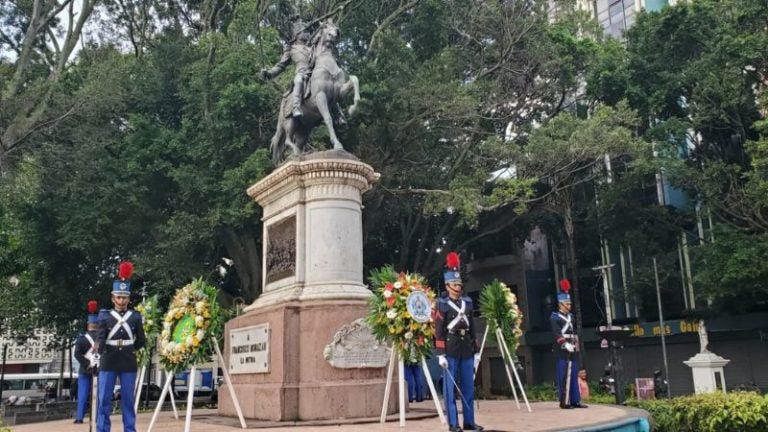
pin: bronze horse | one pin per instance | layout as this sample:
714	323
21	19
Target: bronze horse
327	86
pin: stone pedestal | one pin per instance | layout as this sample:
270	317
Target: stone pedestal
313	286
708	374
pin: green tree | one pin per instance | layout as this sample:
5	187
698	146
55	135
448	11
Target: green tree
42	52
696	73
567	153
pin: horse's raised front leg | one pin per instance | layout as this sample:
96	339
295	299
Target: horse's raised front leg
322	105
352	84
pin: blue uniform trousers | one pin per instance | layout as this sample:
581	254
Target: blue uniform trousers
83	394
560	372
415	382
462	371
106	389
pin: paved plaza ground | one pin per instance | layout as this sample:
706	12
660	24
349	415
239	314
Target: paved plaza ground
495	416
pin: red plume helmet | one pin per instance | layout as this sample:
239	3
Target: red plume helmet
565	285
93	307
452	261
125	270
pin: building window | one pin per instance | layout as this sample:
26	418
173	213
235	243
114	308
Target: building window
618	21
615	16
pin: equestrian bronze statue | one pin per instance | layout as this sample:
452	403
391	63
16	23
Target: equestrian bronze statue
318	87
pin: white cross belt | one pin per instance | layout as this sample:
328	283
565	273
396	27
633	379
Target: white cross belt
462	315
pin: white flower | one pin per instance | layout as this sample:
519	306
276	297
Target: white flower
409	336
199	305
199	320
398	284
189	340
391	314
387	294
200	334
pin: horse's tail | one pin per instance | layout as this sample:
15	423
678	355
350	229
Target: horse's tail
277	145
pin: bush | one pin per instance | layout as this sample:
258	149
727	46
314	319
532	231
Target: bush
548	393
712	412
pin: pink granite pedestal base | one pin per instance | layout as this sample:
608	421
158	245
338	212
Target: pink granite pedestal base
301	384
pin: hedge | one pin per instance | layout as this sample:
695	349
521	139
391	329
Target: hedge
548	393
711	412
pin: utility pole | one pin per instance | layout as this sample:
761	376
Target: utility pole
661	325
2	373
606	293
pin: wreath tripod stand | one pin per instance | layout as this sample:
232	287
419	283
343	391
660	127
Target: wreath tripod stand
191	394
509	365
396	358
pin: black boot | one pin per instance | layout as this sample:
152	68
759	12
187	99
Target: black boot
579	405
296	97
564	406
455	428
474	427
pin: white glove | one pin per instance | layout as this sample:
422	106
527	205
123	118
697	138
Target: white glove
477	360
442	361
569	347
95	361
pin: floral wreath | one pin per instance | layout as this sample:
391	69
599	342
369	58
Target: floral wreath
190	327
388	315
498	305
150	316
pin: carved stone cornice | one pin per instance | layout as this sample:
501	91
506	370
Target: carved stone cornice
320	168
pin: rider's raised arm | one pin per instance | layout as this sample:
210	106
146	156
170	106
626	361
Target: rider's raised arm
285	60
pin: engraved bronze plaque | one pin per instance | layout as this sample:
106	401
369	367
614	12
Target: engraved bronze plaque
281	249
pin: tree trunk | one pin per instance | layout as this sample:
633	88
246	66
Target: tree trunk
61	371
573	274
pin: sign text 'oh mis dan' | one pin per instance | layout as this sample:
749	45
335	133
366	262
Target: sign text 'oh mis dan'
249	350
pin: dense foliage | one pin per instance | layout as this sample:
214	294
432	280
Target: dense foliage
711	412
485	119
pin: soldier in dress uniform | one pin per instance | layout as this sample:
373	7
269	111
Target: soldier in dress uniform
85	348
566	348
457	347
120	334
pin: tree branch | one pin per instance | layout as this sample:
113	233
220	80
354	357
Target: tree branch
403	7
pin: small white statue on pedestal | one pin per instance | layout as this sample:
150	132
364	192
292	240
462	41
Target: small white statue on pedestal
703	337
